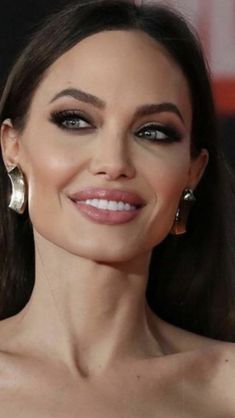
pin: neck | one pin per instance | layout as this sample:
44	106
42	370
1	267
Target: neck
96	312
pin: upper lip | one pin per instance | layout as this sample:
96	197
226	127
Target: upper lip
118	195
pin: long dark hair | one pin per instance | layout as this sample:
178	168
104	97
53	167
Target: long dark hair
191	280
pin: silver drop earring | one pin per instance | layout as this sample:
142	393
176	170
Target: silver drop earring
18	196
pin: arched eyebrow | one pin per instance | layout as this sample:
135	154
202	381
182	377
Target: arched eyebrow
142	110
82	96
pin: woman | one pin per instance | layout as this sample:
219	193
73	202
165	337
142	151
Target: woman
108	138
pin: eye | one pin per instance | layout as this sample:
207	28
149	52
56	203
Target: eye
159	133
70	120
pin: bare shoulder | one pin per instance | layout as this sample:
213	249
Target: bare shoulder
176	340
207	375
13	362
201	371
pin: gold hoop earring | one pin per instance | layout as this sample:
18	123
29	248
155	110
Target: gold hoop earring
18	196
181	217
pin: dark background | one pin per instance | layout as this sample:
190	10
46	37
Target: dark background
19	18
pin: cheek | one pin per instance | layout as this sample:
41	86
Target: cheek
50	164
50	168
170	180
169	173
169	177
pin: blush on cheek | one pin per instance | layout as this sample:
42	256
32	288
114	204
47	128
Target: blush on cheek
55	172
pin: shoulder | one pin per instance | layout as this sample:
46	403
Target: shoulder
200	370
13	360
208	375
195	383
176	340
212	358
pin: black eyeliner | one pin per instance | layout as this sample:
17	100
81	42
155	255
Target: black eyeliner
172	133
58	117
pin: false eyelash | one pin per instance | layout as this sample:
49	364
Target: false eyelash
172	134
58	117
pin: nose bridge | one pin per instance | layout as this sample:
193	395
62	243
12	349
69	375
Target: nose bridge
113	145
112	153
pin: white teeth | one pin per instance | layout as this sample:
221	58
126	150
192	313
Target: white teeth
112	205
102	204
121	206
109	204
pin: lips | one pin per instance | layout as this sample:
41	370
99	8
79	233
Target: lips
109	194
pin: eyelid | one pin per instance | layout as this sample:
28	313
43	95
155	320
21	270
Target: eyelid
173	133
164	127
73	111
162	119
57	116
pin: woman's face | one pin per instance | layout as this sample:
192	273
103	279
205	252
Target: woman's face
133	136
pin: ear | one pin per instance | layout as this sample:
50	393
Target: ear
9	143
197	168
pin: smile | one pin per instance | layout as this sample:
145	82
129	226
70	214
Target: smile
110	212
109	204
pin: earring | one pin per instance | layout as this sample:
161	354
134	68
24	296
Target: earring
181	217
18	195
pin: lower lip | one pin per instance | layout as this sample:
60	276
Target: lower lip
103	216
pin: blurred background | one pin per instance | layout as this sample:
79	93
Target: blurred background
213	19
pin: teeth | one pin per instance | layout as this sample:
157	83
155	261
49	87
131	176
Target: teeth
109	204
102	204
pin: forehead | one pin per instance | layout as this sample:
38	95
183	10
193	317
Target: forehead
119	66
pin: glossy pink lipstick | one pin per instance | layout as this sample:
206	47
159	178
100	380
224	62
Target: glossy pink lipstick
107	216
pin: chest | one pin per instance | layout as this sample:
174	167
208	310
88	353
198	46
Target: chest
151	392
114	400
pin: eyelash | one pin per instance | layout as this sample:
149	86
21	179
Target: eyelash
170	132
64	117
59	118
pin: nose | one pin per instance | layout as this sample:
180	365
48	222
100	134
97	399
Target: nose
111	158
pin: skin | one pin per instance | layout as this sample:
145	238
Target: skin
87	344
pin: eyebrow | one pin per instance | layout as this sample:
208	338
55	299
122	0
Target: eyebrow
142	110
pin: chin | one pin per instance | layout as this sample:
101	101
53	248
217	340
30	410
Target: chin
103	253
